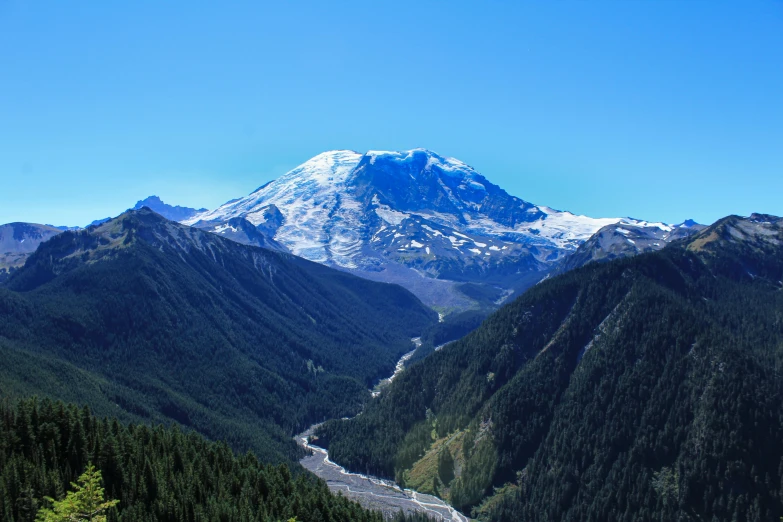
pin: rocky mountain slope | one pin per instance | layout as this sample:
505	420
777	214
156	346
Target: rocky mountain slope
18	241
626	239
172	212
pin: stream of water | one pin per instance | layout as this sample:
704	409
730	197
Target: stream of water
373	492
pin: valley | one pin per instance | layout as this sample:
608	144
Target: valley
372	492
412	412
159	322
391	261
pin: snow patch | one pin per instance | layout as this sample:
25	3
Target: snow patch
221	229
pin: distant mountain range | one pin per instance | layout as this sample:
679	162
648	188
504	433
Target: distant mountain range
415	218
171	212
623	240
19	240
429	223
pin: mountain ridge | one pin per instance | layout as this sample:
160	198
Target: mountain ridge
624	240
171	212
158	321
19	240
13	252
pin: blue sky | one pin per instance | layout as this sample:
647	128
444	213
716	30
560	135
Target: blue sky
662	110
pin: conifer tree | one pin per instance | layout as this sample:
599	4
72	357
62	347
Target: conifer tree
84	503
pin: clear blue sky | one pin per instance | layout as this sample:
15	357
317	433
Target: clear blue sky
663	110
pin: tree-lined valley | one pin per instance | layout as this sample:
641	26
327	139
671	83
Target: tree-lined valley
251	363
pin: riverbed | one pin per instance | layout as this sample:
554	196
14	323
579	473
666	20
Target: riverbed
373	492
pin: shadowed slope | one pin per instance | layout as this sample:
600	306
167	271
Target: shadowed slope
164	321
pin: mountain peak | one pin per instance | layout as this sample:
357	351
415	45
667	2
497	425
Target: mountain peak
121	230
132	233
174	213
150	200
743	246
767	219
688	223
755	230
407	217
424	159
404	155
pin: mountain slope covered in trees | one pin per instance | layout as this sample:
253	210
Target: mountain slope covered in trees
155	473
148	320
646	388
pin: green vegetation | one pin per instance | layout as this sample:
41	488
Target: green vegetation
85	502
640	389
453	327
445	466
5	273
484	294
434	472
148	474
149	321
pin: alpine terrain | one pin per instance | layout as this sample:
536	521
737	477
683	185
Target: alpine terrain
415	218
172	212
18	241
624	240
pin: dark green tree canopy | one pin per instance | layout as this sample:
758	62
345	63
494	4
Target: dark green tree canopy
640	389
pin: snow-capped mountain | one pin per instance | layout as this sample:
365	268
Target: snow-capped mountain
414	217
624	239
240	230
172	212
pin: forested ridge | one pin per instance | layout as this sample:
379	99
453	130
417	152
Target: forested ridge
157	474
452	327
151	321
641	389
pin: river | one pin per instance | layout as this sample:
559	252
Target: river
373	492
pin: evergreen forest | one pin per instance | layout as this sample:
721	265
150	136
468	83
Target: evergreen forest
644	388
